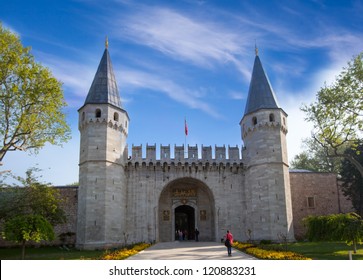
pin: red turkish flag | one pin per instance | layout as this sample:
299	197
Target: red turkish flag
186	128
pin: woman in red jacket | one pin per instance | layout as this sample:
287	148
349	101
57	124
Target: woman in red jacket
229	242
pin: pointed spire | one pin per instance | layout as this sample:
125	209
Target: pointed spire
104	87
260	94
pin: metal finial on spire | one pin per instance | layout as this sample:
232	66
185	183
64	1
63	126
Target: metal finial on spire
106	42
256	49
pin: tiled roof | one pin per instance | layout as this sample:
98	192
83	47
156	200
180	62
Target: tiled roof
260	94
104	87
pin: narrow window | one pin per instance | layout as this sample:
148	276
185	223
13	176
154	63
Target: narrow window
115	117
272	117
311	202
98	113
125	124
83	116
254	120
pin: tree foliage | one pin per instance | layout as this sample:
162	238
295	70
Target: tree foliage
32	198
23	228
335	227
31	100
338	111
314	158
352	185
29	212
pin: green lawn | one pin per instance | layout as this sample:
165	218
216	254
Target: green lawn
48	253
325	250
314	250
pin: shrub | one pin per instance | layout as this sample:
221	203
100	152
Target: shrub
125	252
274	255
266	254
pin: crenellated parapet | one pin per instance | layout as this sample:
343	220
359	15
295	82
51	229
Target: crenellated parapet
188	169
103	115
217	154
110	123
264	119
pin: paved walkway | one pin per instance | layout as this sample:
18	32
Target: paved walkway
189	250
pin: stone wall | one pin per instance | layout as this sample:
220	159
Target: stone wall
68	229
312	194
219	194
315	193
185	154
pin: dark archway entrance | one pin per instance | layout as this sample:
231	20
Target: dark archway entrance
185	222
186	204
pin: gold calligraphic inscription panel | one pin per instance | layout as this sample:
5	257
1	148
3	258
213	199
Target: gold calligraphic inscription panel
191	192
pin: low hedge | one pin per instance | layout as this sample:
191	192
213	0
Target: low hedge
124	253
266	254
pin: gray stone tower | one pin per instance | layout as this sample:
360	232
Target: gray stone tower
103	125
264	128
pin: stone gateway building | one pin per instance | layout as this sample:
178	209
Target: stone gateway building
126	198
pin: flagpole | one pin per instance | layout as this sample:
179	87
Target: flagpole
185	137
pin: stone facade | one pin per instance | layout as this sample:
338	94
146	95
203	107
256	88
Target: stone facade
315	193
125	198
128	198
323	187
267	177
163	187
101	169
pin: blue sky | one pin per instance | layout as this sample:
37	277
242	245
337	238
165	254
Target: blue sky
177	59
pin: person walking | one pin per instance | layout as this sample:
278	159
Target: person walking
196	234
228	242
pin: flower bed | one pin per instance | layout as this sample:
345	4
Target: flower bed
265	254
125	252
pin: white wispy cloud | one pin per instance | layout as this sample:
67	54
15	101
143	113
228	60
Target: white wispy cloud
292	102
156	83
75	76
236	95
185	38
10	28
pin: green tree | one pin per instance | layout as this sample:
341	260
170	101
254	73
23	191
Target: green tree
352	185
32	197
336	227
314	158
31	100
28	212
337	113
23	228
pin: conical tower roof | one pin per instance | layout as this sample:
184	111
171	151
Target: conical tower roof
260	93
104	87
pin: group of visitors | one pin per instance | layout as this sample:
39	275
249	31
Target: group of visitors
183	235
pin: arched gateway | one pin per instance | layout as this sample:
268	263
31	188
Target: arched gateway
186	204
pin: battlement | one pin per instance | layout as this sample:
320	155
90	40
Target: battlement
191	154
